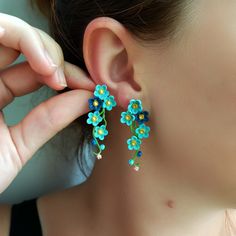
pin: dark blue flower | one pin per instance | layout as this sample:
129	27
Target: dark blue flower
95	103
142	117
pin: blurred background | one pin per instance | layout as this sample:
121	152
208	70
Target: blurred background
51	168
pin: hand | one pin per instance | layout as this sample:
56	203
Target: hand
44	66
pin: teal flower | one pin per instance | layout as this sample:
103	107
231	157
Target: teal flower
127	118
100	132
143	131
134	143
101	91
135	106
109	103
94	118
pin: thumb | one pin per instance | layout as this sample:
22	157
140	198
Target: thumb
47	119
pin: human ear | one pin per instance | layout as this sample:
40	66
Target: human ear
109	51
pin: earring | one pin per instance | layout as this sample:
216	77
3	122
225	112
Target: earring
101	102
135	118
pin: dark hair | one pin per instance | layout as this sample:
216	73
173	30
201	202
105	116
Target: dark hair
147	20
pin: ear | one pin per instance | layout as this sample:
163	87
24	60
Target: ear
109	52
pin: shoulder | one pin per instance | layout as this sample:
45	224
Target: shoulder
5	216
62	208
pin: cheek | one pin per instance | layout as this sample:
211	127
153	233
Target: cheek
195	105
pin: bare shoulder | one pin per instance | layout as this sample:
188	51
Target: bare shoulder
5	215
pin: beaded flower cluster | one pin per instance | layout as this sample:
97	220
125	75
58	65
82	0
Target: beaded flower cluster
101	102
136	118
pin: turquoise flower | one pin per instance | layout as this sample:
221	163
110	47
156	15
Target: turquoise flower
109	103
94	118
143	131
127	118
134	143
100	132
101	91
135	106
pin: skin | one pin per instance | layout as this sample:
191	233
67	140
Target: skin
187	175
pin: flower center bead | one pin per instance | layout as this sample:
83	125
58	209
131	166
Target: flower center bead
100	131
127	117
135	106
141	116
141	131
133	143
108	103
101	91
94	118
95	103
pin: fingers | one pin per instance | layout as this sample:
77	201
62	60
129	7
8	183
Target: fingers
42	52
47	119
21	79
77	78
20	36
17	81
8	55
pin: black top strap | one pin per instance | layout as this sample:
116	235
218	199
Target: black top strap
25	219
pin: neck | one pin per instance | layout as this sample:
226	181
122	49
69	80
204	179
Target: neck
157	200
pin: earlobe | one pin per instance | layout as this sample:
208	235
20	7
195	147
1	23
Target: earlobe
107	55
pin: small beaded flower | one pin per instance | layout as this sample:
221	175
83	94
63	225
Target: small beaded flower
135	118
127	118
98	105
134	143
100	132
95	103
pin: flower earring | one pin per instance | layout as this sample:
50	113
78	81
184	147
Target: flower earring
135	118
101	102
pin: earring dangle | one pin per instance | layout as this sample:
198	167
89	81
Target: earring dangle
136	118
98	105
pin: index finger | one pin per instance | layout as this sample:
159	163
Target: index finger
20	36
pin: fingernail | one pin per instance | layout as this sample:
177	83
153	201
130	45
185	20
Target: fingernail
49	59
61	77
2	31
